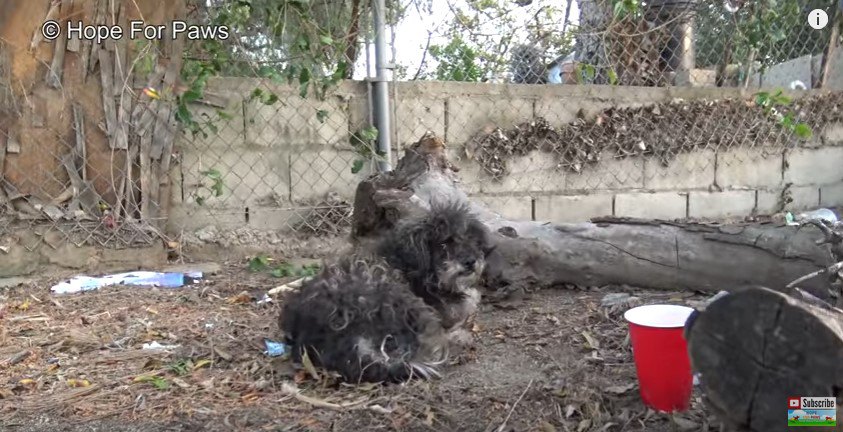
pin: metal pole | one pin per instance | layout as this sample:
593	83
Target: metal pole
381	99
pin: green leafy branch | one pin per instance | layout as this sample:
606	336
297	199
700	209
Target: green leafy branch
365	144
771	103
288	29
215	189
626	8
263	263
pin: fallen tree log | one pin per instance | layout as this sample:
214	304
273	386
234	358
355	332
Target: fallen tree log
756	347
645	254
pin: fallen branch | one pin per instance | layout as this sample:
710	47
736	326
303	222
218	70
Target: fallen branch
511	410
291	390
289	286
17	358
530	255
832	269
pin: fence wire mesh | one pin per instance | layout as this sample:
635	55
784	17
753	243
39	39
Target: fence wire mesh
617	96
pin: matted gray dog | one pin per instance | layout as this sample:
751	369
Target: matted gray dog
400	307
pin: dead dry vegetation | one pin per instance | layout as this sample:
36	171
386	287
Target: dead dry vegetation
661	131
555	360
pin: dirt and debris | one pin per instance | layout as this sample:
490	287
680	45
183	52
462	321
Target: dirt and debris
661	130
559	361
281	242
330	216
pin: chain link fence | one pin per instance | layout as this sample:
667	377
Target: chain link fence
552	111
70	173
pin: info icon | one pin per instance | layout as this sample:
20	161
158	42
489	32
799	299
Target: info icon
817	19
794	403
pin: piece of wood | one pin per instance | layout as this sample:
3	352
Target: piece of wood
645	254
121	67
146	108
756	347
121	79
52	15
83	195
74	43
5	203
39	110
12	143
75	10
112	10
80	150
145	179
831	47
164	135
99	18
54	73
116	140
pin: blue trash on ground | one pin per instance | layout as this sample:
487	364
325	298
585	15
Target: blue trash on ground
274	349
83	283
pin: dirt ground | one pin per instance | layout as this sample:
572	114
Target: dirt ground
555	360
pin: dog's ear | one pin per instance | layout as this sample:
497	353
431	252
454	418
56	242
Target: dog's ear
440	228
409	248
480	235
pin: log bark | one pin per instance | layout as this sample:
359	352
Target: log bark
756	347
646	254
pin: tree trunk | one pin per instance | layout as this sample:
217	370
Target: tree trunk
352	39
84	132
595	16
646	254
757	347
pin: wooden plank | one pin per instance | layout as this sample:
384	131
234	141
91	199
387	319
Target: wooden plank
12	143
85	58
80	151
145	176
52	14
109	109
76	183
120	53
162	132
74	44
110	18
173	50
39	111
121	74
54	73
99	18
132	207
163	145
3	138
145	110
4	200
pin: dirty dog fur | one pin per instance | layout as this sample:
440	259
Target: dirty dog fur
442	256
398	309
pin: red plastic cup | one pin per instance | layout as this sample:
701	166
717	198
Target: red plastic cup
661	357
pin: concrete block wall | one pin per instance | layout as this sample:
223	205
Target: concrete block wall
280	157
806	69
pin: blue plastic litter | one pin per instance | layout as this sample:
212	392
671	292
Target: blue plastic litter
140	278
274	349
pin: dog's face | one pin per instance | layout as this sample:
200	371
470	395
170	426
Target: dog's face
458	248
442	253
460	259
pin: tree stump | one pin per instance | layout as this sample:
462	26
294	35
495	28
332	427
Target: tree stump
756	347
646	254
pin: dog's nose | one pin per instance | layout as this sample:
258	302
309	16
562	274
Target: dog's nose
469	264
